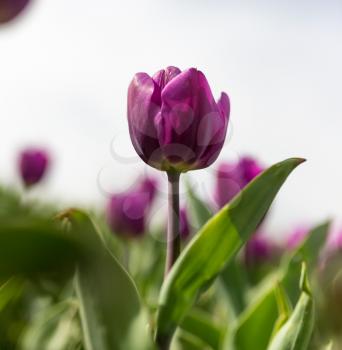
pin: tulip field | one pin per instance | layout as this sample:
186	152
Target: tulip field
109	279
205	276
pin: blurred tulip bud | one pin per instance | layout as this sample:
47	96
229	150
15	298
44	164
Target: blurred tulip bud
9	9
185	230
258	250
127	212
174	121
33	165
232	178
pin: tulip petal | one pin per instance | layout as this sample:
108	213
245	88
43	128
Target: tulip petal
164	76
187	102
142	105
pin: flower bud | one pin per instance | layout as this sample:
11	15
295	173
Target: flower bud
127	211
33	164
174	121
232	178
258	250
9	9
184	224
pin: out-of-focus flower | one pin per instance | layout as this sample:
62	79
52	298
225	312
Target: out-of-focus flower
231	178
127	211
9	9
296	237
33	164
174	121
258	250
184	224
334	241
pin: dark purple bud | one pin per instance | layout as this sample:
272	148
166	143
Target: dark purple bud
33	164
232	178
174	121
127	212
9	9
258	250
184	224
296	237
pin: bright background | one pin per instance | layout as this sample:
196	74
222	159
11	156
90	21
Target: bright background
65	67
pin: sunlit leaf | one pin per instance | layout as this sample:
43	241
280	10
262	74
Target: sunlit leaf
297	331
216	243
111	312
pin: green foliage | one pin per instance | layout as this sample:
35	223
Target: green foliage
216	243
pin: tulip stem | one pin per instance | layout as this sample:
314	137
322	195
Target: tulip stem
173	237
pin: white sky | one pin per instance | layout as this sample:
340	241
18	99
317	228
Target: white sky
65	67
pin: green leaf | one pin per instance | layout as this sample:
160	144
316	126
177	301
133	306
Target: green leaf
199	324
233	277
10	290
234	281
257	321
200	212
269	307
297	331
36	247
55	327
216	243
307	251
111	312
312	245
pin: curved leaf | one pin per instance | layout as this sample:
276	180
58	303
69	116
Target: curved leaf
111	312
296	332
216	243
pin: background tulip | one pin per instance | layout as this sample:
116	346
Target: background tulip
9	9
258	250
174	121
184	224
126	212
231	178
33	164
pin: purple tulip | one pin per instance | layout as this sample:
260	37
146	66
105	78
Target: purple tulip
258	250
33	164
9	9
184	224
126	212
174	121
232	178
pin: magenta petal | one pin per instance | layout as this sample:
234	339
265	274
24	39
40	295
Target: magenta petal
9	9
228	183
142	106
33	164
164	76
189	117
184	224
224	105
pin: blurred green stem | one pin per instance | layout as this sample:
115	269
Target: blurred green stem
173	238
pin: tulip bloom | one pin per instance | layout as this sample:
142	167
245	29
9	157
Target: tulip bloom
9	9
33	164
176	125
232	178
174	121
126	212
